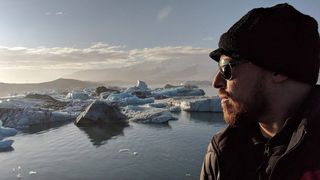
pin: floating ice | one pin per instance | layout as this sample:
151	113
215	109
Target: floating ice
197	104
32	172
128	99
151	115
100	112
123	150
179	91
7	143
142	85
77	95
158	105
24	117
6	132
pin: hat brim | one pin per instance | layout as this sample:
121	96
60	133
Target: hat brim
215	55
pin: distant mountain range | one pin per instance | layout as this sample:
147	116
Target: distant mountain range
173	71
60	85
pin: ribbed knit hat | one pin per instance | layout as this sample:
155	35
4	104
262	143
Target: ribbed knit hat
279	39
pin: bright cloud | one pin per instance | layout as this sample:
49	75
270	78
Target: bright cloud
59	13
97	56
54	13
164	13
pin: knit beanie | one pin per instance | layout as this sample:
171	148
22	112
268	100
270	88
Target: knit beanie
279	39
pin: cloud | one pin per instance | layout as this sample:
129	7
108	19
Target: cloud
164	13
209	38
59	13
97	56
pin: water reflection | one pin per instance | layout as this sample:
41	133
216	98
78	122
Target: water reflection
99	134
158	125
44	127
9	149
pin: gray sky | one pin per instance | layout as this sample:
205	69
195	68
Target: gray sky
42	40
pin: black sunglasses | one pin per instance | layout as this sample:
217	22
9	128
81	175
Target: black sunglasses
225	67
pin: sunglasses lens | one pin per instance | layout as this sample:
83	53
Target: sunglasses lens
226	71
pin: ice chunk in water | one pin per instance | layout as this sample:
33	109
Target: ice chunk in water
32	172
123	150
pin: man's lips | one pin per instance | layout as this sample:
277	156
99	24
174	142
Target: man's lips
223	98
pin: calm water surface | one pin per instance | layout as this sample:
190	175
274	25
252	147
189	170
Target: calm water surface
171	151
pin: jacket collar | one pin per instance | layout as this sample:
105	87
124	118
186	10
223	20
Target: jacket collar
309	118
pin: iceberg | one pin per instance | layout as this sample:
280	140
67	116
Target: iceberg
197	104
100	112
142	85
22	118
77	95
6	132
5	144
178	91
125	99
157	105
150	115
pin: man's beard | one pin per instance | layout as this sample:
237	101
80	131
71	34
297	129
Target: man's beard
237	111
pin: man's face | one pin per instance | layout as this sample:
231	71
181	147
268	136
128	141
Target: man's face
242	97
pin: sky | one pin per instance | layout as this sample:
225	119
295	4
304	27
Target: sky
42	40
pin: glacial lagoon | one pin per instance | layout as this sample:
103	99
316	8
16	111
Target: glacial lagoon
173	150
133	151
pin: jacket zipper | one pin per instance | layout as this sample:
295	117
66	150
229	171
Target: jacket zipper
266	154
286	154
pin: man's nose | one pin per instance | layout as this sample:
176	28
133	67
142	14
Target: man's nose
218	81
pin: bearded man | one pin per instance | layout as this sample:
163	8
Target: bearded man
268	69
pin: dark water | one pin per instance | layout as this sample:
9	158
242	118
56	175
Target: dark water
171	151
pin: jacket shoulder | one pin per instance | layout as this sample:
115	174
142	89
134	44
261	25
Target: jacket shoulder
210	168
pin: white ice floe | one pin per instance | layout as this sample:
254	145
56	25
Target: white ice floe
158	105
178	91
151	115
142	85
77	95
23	118
6	143
123	150
126	99
197	104
32	172
175	109
6	132
19	103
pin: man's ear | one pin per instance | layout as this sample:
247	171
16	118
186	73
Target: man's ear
277	78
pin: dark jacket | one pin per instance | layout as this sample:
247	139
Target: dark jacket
231	153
